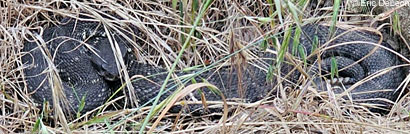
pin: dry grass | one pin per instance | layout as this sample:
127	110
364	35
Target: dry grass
226	27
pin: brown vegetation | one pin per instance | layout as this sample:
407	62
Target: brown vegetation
225	27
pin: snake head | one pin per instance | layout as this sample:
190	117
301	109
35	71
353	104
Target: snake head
109	72
105	61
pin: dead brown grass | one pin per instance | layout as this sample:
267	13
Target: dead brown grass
226	24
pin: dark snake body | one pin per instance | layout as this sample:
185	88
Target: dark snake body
358	47
84	75
73	62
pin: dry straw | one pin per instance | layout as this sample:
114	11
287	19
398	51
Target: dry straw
164	27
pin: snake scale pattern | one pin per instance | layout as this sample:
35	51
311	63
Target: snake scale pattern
84	60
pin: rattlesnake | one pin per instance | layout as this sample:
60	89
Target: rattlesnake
83	74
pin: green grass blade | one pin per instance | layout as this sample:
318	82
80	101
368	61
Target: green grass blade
81	107
296	40
181	15
278	6
174	4
315	44
302	55
333	68
269	75
284	47
336	7
294	11
303	3
264	45
396	23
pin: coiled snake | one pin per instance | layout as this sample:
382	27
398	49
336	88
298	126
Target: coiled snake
73	50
